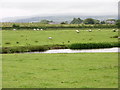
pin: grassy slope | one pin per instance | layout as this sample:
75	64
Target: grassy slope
26	37
89	70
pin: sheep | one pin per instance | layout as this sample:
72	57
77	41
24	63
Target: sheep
114	30
99	29
77	31
34	29
14	29
38	29
117	30
41	29
49	38
90	30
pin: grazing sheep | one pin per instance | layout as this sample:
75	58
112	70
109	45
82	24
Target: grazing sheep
34	29
114	30
117	30
41	29
37	29
49	38
90	30
14	29
99	29
77	31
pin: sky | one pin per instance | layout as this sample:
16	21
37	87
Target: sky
15	8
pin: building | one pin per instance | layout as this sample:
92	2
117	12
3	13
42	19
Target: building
111	21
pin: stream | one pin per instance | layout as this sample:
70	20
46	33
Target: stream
105	50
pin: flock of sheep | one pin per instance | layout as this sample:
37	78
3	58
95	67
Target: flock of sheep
77	31
37	29
33	29
114	30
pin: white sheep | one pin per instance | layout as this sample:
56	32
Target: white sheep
99	29
41	29
34	29
38	29
14	29
49	37
77	31
90	30
114	30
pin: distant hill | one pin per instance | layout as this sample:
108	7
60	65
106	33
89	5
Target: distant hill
57	19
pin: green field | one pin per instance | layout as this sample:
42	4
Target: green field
83	70
30	37
80	70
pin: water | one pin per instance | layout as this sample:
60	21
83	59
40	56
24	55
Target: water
105	50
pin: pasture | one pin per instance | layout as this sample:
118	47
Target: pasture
82	70
61	37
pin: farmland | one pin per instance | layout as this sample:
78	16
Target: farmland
82	70
50	44
30	37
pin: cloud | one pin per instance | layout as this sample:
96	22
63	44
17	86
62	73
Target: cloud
11	8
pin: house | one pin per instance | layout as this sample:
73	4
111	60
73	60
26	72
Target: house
111	21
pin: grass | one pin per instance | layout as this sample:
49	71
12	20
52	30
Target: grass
82	70
64	37
94	45
21	49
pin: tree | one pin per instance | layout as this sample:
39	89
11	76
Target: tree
76	21
66	22
97	21
102	22
45	21
89	21
118	23
15	26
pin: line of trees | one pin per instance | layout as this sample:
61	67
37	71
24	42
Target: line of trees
92	21
75	23
80	21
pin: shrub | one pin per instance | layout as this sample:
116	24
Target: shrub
37	48
21	49
7	43
93	45
116	36
36	41
17	42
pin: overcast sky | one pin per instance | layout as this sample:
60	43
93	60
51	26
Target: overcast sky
13	8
